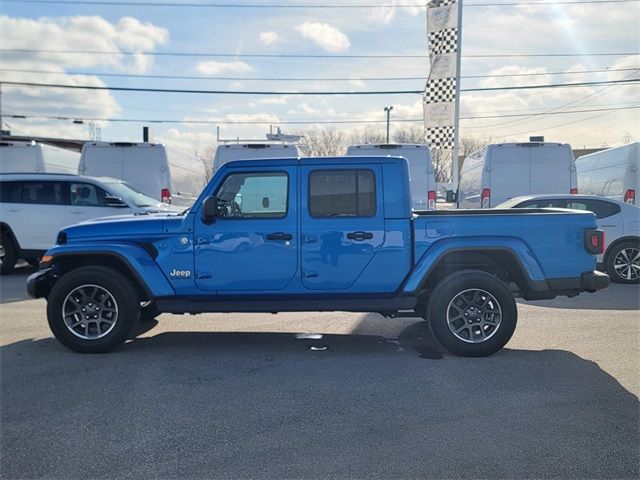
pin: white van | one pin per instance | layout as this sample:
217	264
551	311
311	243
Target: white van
611	173
31	157
229	152
421	174
499	172
165	174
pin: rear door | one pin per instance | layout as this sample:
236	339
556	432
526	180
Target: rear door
40	214
342	223
550	169
146	168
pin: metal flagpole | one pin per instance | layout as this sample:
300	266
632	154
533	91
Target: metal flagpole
456	145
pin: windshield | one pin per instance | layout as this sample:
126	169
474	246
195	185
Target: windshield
130	195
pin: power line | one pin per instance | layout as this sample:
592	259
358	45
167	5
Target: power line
301	55
298	79
549	112
315	93
288	122
296	5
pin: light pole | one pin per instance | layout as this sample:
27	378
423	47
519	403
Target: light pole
388	110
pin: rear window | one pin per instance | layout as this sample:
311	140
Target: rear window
10	192
43	193
342	193
601	208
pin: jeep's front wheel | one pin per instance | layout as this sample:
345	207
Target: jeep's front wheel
472	313
92	309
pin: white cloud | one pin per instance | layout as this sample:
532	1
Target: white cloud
82	32
386	12
69	33
324	35
269	38
282	100
216	68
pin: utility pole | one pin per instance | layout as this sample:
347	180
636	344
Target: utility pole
455	160
388	110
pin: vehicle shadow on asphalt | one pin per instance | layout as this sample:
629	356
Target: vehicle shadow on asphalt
13	287
266	405
616	297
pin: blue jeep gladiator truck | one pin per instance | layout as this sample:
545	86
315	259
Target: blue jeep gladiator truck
316	234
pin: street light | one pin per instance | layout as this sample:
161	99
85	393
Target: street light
388	110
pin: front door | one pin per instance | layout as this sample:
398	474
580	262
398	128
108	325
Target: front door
342	224
252	245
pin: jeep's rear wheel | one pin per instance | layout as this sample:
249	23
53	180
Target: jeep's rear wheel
92	309
472	313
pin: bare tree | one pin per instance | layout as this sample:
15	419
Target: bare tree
413	134
206	157
367	135
322	142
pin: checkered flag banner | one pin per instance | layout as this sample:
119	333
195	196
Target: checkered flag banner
440	91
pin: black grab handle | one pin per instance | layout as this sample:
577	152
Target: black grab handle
359	236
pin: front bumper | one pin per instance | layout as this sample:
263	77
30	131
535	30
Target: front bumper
39	283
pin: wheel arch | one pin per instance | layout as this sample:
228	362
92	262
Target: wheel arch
7	230
617	241
67	262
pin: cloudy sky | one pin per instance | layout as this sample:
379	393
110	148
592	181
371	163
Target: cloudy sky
390	28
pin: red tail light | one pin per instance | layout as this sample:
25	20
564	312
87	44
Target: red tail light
573	191
630	196
485	198
594	241
431	196
165	195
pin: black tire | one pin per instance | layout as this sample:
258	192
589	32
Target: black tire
149	312
468	282
620	275
10	254
126	303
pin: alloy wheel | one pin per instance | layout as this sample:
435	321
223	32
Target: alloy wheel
627	263
474	315
90	312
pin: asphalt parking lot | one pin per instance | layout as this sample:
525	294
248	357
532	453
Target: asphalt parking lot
239	396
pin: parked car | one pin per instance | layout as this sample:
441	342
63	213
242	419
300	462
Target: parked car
612	173
166	174
318	234
34	207
620	222
502	171
29	156
229	152
422	178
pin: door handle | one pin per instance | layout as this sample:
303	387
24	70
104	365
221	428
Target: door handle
77	212
279	236
359	236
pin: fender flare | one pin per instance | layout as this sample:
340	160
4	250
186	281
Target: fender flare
135	258
515	248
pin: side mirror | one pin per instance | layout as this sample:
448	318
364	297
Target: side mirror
451	196
115	202
210	209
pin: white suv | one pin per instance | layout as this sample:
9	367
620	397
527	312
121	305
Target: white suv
620	222
35	206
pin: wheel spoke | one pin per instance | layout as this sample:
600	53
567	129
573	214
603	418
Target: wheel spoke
474	315
90	312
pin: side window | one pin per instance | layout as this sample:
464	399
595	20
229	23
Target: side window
602	209
253	195
577	205
342	193
10	192
551	203
43	193
86	195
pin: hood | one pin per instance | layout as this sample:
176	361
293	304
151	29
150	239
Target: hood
130	227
